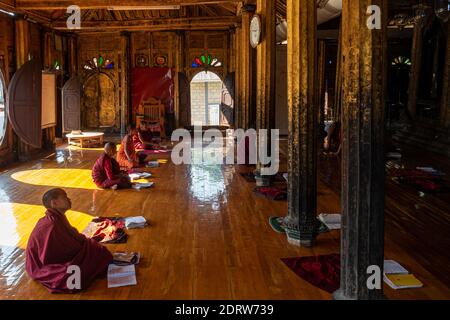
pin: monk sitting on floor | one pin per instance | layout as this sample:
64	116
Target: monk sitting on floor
127	157
55	249
143	140
106	171
333	141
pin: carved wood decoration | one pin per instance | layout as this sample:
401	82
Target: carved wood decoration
24	110
71	101
99	105
364	79
302	167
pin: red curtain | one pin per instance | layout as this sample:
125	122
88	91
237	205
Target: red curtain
155	83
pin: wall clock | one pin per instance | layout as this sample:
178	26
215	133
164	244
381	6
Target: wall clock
255	31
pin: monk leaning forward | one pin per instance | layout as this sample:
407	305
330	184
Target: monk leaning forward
106	172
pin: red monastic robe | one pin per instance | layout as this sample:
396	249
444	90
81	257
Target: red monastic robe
54	245
106	173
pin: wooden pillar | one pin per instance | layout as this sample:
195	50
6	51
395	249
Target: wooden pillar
125	87
321	86
48	50
416	60
72	50
180	68
246	62
364	86
266	60
302	163
337	108
445	104
22	33
238	121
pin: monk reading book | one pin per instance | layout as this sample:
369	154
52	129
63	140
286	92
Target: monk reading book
143	140
55	248
106	171
127	156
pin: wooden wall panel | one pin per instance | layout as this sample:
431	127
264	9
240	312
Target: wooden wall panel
7	66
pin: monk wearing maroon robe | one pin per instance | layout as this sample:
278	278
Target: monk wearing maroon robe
127	157
106	171
143	140
54	247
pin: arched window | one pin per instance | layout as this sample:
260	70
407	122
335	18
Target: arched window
3	118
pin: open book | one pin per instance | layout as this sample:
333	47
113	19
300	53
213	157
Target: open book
126	258
397	277
121	276
152	164
139	175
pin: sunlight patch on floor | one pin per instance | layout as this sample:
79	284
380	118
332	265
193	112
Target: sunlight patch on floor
60	178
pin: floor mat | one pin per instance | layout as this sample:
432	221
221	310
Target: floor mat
321	271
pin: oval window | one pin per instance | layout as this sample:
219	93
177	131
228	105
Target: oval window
3	118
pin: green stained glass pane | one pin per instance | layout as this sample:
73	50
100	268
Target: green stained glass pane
209	60
100	61
203	59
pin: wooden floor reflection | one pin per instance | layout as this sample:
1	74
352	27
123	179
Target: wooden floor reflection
209	237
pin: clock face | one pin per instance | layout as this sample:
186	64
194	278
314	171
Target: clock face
255	31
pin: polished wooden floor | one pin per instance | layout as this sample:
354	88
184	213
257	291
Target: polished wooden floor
209	237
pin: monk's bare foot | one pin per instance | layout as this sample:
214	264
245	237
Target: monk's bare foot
114	187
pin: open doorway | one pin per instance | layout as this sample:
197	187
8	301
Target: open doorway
211	102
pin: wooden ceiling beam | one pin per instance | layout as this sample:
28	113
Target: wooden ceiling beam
101	4
199	23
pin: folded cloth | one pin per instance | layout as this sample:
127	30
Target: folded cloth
321	271
272	193
106	230
428	181
135	222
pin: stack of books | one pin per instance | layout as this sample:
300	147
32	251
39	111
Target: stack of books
331	220
397	277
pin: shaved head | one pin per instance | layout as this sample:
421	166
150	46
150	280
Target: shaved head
50	195
110	147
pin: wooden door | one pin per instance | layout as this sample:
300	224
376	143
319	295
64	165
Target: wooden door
24	103
71	101
185	100
227	101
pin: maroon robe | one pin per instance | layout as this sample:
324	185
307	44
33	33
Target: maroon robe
106	173
54	245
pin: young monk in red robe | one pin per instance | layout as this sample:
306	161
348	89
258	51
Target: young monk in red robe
106	171
127	157
143	140
54	246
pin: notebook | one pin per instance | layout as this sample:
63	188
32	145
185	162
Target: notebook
121	276
135	222
152	164
402	281
397	277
